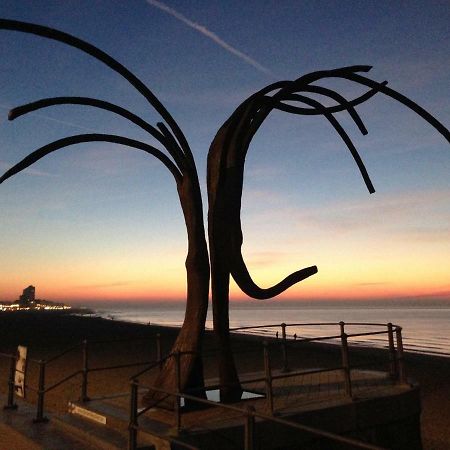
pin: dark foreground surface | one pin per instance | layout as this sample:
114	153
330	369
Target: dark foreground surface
47	333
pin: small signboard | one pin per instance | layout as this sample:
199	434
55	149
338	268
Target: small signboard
92	415
21	366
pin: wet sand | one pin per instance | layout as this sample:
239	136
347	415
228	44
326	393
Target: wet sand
47	334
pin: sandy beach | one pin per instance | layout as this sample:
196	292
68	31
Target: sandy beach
46	335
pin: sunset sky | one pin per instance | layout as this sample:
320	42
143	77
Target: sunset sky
98	221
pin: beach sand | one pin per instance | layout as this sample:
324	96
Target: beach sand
47	334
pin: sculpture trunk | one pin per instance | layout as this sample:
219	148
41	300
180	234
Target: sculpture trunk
224	195
189	340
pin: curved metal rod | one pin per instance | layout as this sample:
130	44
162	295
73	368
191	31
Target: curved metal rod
344	136
80	138
331	109
404	100
340	72
177	154
309	78
271	103
51	33
172	146
85	101
286	88
349	73
340	99
245	282
239	269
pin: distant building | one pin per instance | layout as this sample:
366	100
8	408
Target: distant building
28	297
28	301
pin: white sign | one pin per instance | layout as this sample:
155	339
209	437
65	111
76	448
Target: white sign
21	366
92	415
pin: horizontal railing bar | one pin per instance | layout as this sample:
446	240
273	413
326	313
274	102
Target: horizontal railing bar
192	397
307	324
279	325
147	369
7	355
110	341
244	413
370	333
63	381
370	364
320	338
31	388
370	324
256	326
119	366
240	350
157	363
282	376
308	372
49	360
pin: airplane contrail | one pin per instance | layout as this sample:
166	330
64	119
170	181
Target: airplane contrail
43	116
210	35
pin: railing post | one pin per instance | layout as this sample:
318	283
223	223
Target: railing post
268	377
177	406
12	371
41	393
284	348
158	350
392	357
400	360
346	365
249	433
84	383
133	424
342	327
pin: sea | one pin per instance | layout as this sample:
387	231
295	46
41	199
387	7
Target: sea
425	324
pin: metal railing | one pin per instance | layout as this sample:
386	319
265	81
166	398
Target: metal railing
396	371
248	415
10	404
397	374
393	332
43	388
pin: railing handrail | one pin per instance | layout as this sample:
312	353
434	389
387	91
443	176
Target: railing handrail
159	362
306	324
62	353
243	412
396	359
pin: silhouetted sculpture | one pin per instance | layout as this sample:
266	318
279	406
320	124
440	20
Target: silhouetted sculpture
226	161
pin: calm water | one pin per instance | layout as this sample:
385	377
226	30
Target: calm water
426	329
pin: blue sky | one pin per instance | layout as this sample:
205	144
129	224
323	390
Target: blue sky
97	222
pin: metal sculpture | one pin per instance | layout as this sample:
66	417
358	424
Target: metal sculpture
226	160
178	160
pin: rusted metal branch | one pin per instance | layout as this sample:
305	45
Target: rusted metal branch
81	138
86	47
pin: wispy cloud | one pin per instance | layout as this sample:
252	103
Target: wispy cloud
106	285
263	259
43	116
70	124
408	215
210	35
4	166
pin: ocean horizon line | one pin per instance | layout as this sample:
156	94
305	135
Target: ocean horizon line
269	304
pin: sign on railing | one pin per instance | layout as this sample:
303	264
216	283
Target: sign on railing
19	375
